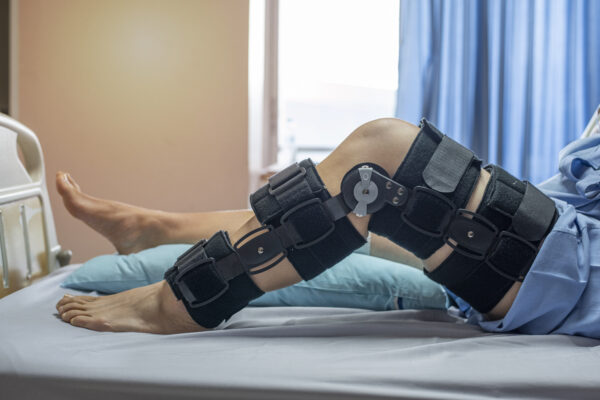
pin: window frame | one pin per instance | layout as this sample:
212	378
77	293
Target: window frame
263	99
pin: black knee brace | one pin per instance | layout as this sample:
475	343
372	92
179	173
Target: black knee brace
420	208
300	221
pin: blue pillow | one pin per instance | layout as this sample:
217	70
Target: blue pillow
359	281
114	273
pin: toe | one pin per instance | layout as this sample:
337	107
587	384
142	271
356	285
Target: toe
81	321
62	183
67	316
72	182
86	299
67	298
71	306
85	321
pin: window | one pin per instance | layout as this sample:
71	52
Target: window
317	70
337	69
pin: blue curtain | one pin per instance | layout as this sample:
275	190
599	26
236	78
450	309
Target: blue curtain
513	80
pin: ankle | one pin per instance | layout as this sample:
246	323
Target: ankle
174	312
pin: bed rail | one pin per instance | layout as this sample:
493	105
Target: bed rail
28	243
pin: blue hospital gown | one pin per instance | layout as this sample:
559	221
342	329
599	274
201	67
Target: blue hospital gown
561	292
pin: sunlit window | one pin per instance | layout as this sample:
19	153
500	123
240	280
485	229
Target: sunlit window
338	63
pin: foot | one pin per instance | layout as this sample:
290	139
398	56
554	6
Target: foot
149	309
130	229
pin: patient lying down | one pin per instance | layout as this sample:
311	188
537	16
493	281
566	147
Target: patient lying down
387	148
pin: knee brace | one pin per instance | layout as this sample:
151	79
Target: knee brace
300	220
420	208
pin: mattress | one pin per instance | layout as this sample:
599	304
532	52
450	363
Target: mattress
285	352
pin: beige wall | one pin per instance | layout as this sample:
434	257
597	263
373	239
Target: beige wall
4	51
142	101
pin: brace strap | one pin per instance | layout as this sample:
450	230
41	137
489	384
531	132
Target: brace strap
496	246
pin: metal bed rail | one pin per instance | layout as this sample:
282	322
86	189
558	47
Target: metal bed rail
22	183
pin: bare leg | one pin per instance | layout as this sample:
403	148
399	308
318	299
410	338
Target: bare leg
384	248
155	309
131	229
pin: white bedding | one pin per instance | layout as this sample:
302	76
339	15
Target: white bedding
292	353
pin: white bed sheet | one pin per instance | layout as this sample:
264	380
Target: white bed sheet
292	353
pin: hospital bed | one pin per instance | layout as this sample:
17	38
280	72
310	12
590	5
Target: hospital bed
261	353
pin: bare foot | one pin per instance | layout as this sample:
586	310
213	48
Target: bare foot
149	309
130	229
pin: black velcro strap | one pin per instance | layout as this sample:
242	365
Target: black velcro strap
534	215
447	166
310	220
313	260
293	185
428	212
512	256
290	186
503	197
283	180
241	291
200	282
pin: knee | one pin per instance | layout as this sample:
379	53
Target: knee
384	141
381	127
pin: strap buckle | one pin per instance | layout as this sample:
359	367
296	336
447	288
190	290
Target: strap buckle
411	204
195	248
527	264
285	217
283	180
471	234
